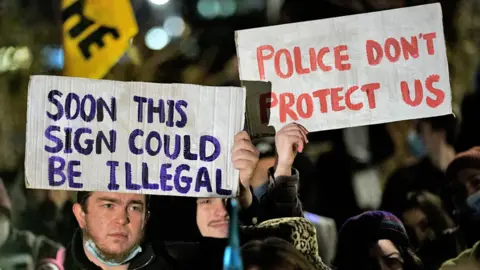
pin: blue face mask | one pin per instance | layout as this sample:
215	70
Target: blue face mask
92	248
416	145
473	201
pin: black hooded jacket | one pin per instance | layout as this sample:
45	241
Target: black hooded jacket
147	259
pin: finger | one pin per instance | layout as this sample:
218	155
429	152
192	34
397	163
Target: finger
300	128
242	135
243	164
303	128
296	133
244	145
246	155
305	131
299	145
299	132
290	127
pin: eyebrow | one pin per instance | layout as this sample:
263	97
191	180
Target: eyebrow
113	200
108	199
136	202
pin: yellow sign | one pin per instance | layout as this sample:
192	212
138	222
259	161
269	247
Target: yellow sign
96	34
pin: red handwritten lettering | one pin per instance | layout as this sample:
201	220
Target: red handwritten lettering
261	57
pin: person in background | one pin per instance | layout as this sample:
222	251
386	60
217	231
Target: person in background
273	254
469	134
374	240
438	136
22	249
464	172
111	234
432	231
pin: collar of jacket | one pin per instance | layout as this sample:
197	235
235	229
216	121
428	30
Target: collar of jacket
145	258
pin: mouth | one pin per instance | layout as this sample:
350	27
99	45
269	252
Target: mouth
220	224
118	235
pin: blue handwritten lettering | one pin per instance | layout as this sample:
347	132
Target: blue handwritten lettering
51	97
203	180
178	179
112	185
165	177
128	174
203	148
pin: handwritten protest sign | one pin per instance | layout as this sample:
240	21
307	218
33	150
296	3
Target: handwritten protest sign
349	71
163	139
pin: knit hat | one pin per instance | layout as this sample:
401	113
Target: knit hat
360	233
5	203
466	160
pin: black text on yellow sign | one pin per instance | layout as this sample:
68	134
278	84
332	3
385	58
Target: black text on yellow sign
96	34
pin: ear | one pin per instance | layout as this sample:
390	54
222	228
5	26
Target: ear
147	217
79	215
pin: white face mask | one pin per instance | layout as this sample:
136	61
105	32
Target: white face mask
4	229
95	251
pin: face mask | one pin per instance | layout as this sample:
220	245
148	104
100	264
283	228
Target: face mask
92	248
473	201
416	145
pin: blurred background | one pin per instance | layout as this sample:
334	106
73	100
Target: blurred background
192	41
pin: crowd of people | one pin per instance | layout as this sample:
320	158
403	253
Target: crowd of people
428	218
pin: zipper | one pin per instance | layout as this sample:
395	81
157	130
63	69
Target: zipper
145	264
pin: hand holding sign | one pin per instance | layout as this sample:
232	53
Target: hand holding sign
288	140
245	159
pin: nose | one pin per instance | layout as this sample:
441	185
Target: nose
220	208
122	217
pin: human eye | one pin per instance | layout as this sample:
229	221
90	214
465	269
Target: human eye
107	205
203	201
137	208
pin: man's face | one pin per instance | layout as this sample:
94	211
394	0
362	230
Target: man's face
114	222
212	217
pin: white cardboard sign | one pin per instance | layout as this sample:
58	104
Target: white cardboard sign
349	71
162	139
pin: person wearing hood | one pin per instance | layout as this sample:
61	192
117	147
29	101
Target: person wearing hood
23	249
111	234
464	172
279	199
374	240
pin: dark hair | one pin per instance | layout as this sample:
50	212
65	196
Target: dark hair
363	260
447	123
273	254
82	199
431	205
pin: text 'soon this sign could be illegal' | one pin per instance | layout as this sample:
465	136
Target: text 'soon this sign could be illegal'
349	71
163	139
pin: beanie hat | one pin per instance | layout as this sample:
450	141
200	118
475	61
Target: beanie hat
466	160
377	225
5	203
360	233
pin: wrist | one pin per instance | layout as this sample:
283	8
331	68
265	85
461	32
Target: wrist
283	169
246	197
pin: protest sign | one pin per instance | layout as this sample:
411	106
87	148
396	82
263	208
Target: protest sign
349	71
162	139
